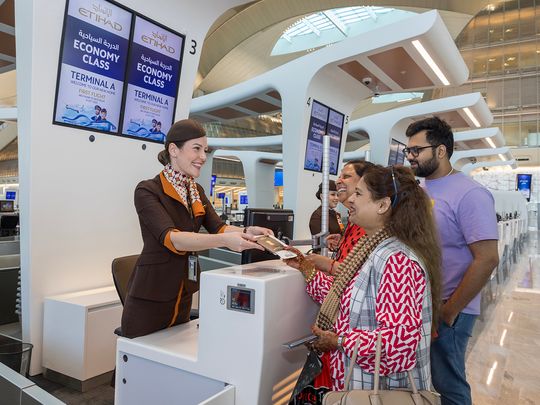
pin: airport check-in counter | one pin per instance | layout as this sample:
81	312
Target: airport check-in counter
232	354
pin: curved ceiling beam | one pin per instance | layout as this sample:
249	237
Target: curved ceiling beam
264	14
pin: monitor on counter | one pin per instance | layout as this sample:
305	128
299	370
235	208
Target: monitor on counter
523	185
280	221
7	206
11	195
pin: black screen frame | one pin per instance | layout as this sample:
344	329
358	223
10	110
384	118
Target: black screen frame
120	126
326	131
529	175
250	216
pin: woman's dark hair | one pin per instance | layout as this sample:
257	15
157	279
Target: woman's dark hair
359	166
180	132
331	187
164	157
411	219
438	132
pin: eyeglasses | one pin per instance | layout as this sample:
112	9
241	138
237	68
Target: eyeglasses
394	181
415	150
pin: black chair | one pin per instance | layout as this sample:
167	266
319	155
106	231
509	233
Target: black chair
122	267
8	225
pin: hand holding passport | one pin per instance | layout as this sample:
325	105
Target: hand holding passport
275	246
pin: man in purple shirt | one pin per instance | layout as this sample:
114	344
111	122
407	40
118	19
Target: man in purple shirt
465	216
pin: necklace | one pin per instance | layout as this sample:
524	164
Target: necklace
449	173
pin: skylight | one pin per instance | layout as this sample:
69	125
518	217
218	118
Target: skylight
330	26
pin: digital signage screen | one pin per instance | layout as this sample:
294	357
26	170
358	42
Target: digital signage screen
524	185
396	156
323	120
153	75
92	66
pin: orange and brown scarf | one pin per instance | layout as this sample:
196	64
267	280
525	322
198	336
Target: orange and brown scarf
186	188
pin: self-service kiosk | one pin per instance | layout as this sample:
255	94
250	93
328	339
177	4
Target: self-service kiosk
233	354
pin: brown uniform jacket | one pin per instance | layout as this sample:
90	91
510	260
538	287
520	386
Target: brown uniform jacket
333	222
161	269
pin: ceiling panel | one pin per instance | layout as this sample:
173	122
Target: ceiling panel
401	68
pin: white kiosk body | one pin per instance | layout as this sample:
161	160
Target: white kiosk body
233	353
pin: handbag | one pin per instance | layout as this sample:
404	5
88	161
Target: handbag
313	382
377	396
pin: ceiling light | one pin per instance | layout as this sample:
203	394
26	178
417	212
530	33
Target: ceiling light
491	7
502	157
430	62
510	316
509	30
488	140
472	117
491	60
511	58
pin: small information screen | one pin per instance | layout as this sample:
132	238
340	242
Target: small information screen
241	299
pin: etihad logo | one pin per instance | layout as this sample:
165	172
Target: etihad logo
101	15
158	40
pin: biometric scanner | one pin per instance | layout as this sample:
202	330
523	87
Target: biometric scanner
234	353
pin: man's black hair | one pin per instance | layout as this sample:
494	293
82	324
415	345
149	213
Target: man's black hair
438	132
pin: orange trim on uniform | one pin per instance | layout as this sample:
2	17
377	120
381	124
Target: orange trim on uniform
169	189
198	209
175	315
169	245
222	229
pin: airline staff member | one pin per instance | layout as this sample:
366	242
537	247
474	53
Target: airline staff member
172	208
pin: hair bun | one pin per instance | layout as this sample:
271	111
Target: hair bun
162	157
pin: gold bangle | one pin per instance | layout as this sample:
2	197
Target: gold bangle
311	275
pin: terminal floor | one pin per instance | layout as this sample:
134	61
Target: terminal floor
502	361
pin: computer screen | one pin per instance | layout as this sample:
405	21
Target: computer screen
243	199
7	206
524	185
11	195
396	156
280	221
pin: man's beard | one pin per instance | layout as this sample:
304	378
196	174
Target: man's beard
426	169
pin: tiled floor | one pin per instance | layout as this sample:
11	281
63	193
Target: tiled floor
502	364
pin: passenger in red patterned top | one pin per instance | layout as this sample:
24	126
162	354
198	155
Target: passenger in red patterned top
345	184
388	284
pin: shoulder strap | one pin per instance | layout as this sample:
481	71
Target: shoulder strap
377	367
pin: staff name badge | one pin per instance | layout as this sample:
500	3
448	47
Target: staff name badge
192	268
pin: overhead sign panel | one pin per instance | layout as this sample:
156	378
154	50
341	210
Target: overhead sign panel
92	65
323	120
153	76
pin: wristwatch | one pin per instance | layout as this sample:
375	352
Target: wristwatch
340	340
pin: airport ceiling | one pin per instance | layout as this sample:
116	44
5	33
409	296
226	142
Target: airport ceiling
239	43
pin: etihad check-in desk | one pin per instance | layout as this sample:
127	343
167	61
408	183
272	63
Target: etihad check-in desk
233	354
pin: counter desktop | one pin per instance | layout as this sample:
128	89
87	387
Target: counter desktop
235	353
